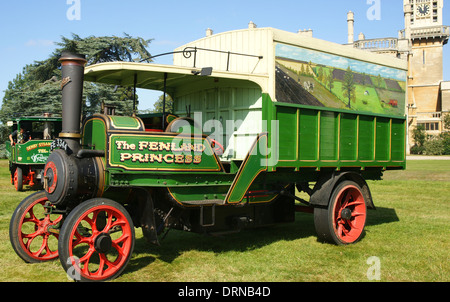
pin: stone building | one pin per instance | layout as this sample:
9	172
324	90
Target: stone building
421	42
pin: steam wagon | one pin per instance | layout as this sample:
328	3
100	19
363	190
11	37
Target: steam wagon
257	114
27	158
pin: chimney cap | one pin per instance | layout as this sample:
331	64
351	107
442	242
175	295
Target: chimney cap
350	16
72	58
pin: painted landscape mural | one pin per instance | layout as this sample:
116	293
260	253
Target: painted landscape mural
315	78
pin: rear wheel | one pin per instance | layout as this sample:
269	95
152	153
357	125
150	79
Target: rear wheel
18	179
96	241
344	220
33	231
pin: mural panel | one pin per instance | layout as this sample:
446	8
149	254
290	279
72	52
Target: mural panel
310	77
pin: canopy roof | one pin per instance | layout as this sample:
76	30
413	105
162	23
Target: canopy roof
151	76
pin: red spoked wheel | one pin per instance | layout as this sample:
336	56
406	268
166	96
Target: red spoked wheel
34	231
96	241
344	220
18	179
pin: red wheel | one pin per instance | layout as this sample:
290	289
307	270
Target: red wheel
344	220
33	233
18	179
97	240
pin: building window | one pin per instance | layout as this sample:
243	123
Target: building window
430	126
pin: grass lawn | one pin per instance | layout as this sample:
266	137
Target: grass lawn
409	233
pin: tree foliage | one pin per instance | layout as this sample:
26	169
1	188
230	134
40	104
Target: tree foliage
158	106
37	89
348	86
432	144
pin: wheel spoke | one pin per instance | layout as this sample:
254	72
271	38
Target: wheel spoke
355	203
44	246
356	214
85	260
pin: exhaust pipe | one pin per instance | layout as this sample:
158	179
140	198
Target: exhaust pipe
72	93
69	179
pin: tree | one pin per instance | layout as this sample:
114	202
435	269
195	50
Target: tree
348	86
330	80
320	74
379	81
419	136
446	122
37	89
159	105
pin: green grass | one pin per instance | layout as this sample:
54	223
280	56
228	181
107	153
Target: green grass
409	233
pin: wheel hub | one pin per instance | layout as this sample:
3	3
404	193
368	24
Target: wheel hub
103	243
346	214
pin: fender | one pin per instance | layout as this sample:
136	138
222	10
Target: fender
324	188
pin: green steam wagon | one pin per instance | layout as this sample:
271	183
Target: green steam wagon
257	114
27	157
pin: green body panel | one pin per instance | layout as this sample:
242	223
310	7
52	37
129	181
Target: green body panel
34	152
94	134
254	164
322	137
125	123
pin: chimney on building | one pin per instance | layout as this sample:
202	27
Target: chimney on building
361	37
351	27
305	32
408	13
251	25
209	32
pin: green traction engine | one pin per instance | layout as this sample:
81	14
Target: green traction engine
175	171
27	158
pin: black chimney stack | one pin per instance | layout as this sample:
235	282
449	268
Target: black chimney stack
72	92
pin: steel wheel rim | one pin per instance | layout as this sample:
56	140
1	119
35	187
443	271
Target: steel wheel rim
84	254
42	227
349	214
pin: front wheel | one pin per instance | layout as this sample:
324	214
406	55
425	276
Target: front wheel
344	220
33	230
96	240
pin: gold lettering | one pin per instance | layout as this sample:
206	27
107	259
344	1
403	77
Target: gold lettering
176	148
138	157
125	146
119	144
179	158
146	157
143	145
164	146
188	159
197	159
167	160
125	156
32	147
157	157
153	146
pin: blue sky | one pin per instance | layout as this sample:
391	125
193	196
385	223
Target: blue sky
29	28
